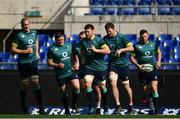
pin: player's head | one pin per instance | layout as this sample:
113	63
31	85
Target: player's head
82	35
89	31
110	29
25	24
144	36
59	38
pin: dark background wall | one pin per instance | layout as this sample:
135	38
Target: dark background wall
9	91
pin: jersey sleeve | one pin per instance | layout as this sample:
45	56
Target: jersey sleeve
157	49
133	53
49	54
16	40
125	41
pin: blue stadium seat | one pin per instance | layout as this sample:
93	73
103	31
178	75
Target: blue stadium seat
177	53
110	10
97	10
126	10
96	2
163	37
146	10
113	2
6	56
43	49
152	37
128	2
163	2
146	2
176	10
169	67
74	39
177	49
132	38
42	38
169	43
165	11
42	57
178	39
50	42
176	2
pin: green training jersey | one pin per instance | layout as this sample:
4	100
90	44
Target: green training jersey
24	40
61	54
145	52
115	43
94	61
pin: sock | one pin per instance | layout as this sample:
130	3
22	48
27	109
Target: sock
75	96
105	98
23	100
89	93
65	102
98	104
156	106
38	94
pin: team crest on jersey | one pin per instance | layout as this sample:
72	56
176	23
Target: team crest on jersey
64	54
147	53
112	46
30	41
89	49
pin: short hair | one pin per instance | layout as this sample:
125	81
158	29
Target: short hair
81	33
24	19
58	35
89	26
143	31
109	25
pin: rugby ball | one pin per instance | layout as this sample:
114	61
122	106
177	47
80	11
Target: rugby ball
147	67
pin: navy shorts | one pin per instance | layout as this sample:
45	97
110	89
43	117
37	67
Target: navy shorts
28	69
146	77
123	72
100	75
62	81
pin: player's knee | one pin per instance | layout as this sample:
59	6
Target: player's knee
88	78
113	77
125	82
24	84
34	78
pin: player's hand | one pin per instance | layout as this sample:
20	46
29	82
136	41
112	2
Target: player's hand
139	67
76	67
158	65
118	53
37	56
93	48
60	65
29	50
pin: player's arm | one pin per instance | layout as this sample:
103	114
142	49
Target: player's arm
159	56
37	49
15	50
104	49
83	60
75	61
53	64
133	61
128	48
